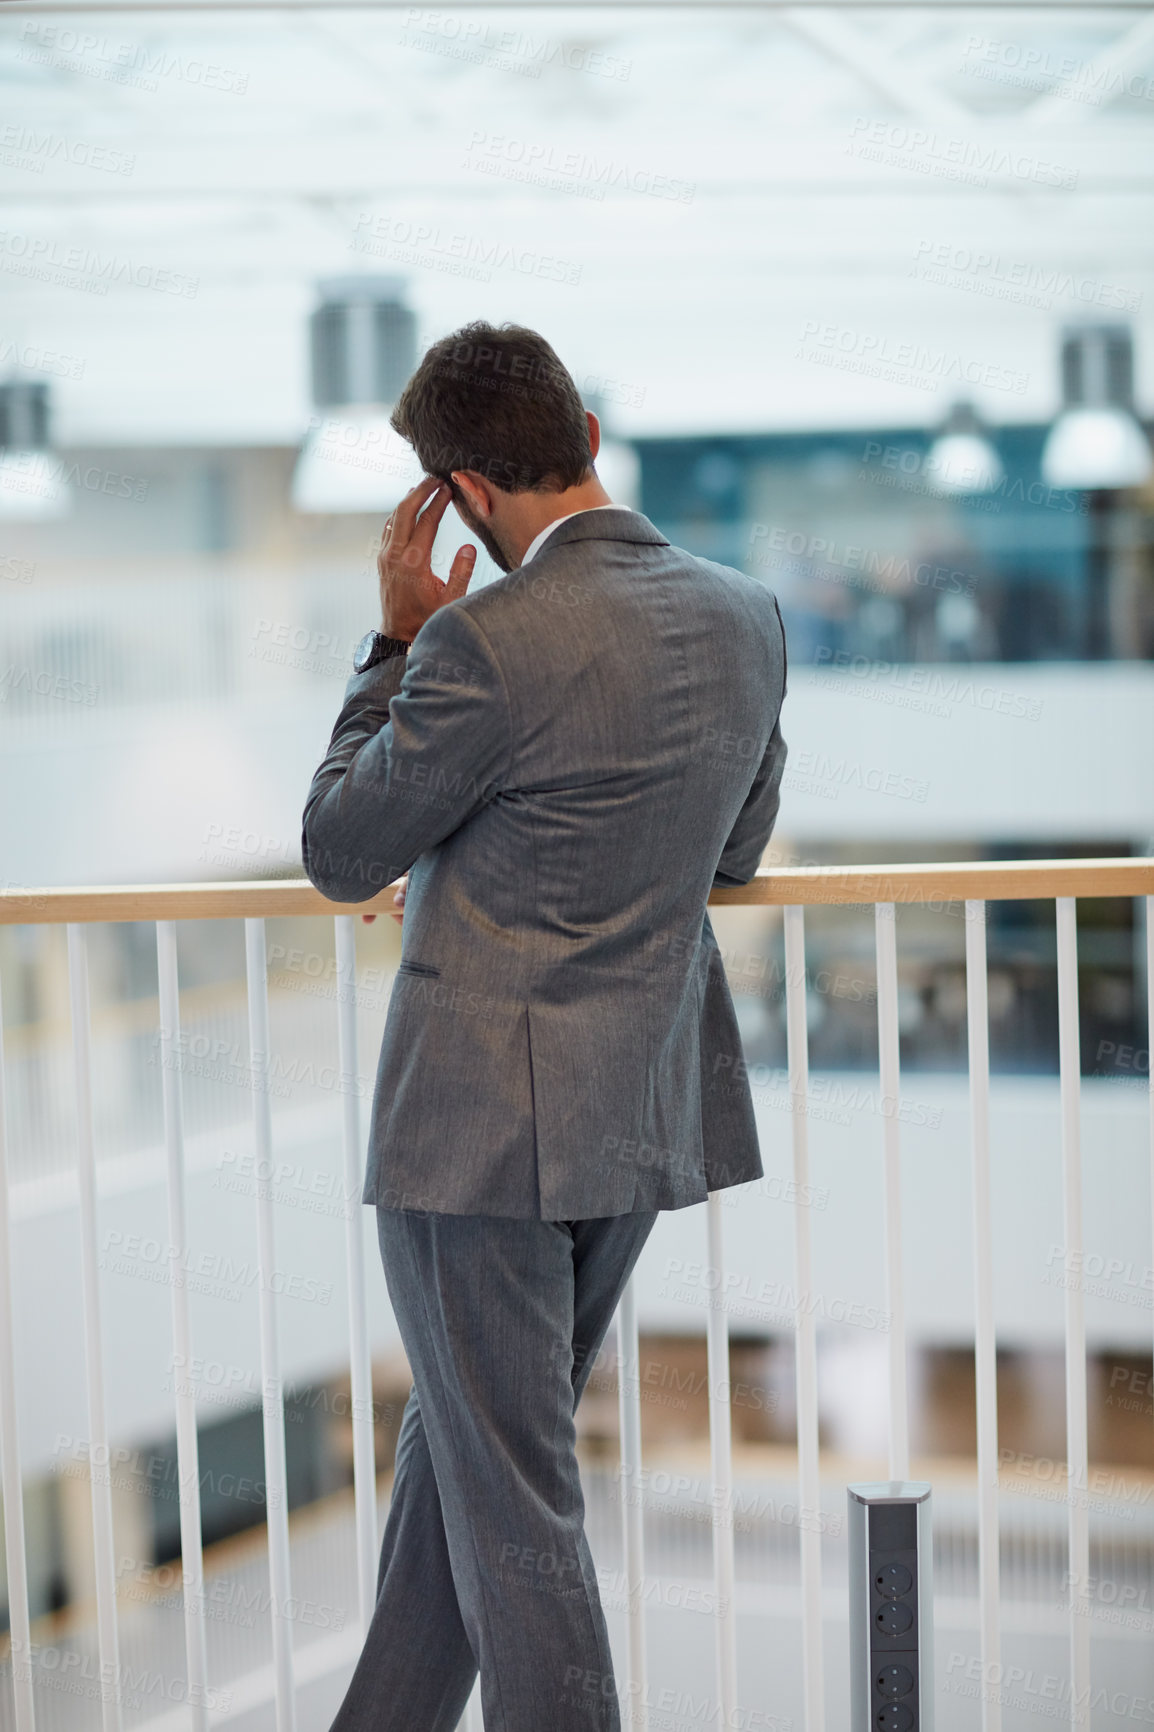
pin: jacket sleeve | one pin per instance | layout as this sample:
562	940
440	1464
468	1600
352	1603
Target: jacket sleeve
742	853
422	743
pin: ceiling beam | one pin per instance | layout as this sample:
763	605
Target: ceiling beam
1132	51
853	190
842	42
81	7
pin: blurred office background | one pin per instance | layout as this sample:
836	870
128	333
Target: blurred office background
864	302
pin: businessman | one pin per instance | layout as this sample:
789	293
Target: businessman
564	763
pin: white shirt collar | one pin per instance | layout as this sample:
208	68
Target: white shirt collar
538	541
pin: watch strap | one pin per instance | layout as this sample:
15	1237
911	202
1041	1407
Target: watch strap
380	649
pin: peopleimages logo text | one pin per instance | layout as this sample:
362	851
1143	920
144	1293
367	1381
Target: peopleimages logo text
930	152
43	253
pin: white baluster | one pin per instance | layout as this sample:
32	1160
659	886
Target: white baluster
1148	909
100	1468
890	1073
187	1452
985	1343
721	1458
1077	1428
276	1479
805	1339
632	1497
360	1366
14	1548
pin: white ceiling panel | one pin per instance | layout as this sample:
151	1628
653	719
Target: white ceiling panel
746	219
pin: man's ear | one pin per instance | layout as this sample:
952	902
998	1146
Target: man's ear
594	433
477	492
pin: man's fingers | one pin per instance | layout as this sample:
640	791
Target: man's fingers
405	515
368	919
425	533
461	571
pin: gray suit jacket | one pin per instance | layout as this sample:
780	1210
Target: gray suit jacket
567	762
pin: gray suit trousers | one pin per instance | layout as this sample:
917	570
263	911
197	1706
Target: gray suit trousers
485	1564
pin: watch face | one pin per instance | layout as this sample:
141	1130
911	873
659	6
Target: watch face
363	652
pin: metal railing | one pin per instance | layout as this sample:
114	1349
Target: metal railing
1064	881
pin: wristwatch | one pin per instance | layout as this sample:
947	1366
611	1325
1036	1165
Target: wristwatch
375	647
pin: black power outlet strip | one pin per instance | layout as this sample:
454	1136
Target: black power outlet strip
894	1633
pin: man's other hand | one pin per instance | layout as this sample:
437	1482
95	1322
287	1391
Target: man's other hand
399	900
410	589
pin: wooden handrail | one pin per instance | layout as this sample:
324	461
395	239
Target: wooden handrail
812	886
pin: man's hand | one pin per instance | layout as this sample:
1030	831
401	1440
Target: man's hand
410	589
398	901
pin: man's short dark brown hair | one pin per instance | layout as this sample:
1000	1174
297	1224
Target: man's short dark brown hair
497	400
